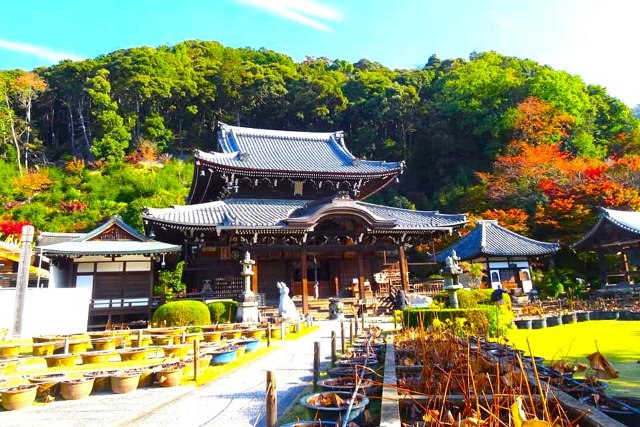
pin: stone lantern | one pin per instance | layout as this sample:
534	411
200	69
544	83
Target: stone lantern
451	273
248	306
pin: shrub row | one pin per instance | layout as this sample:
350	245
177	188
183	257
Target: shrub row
492	320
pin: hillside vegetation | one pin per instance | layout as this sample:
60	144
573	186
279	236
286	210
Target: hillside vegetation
496	136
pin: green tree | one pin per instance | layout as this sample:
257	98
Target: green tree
112	138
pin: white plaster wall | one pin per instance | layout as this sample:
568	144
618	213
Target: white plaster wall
47	310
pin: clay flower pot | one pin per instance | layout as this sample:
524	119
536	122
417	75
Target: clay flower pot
43	348
77	388
146	341
330	412
104	343
235	335
48	385
10	350
19	397
176	350
134	354
77	347
256	333
170	377
101	380
124	382
66	359
96	357
212	336
163	340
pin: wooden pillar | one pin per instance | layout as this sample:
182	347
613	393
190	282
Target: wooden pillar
625	265
602	267
404	273
360	275
336	282
305	284
254	278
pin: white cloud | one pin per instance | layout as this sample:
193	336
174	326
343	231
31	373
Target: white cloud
37	51
306	12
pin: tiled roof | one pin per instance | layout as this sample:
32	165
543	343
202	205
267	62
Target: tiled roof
626	221
82	243
489	238
288	151
298	214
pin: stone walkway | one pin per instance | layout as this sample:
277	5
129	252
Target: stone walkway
235	399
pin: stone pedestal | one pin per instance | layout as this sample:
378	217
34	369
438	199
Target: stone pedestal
248	312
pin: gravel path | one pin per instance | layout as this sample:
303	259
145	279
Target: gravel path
235	399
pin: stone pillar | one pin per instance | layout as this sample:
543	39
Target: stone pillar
22	280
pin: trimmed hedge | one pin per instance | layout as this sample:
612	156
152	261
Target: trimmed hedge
493	320
223	311
181	313
471	298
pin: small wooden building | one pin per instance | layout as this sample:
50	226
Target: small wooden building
616	233
504	254
115	261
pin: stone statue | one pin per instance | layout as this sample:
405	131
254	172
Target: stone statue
451	264
287	309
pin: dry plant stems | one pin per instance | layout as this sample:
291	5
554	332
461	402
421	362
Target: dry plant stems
487	388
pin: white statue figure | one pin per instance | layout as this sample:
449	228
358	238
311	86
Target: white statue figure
287	309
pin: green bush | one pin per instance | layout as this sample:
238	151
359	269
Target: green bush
223	311
477	319
181	313
493	320
472	298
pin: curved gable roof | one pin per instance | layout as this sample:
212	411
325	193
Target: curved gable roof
614	227
289	151
297	215
119	239
490	239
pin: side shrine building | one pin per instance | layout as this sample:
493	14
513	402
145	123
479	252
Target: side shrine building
295	202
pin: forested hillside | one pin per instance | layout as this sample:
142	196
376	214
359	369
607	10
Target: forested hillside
494	136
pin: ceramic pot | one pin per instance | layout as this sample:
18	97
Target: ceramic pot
104	344
180	350
19	397
523	323
43	349
212	336
48	385
66	359
96	357
169	377
77	388
538	323
334	413
9	351
124	382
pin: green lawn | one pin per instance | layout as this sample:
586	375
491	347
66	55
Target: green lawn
617	340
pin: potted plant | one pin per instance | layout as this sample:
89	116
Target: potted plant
170	284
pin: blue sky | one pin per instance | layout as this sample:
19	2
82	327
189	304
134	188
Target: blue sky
592	38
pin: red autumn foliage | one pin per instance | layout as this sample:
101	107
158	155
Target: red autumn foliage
12	228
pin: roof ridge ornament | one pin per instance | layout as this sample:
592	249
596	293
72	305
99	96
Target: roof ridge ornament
356	161
244	156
